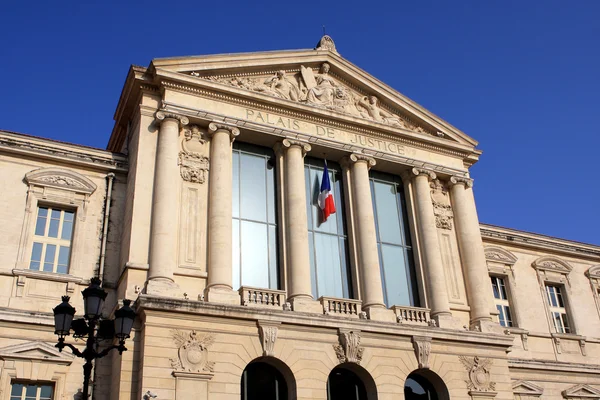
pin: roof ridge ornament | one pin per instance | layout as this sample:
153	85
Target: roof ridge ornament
326	43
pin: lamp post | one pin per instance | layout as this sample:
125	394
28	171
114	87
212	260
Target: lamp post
92	326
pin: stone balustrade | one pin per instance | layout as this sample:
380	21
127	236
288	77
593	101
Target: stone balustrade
412	315
257	297
341	307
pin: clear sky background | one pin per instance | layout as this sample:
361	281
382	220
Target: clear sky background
521	77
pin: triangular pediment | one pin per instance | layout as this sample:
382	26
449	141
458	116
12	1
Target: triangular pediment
581	392
35	351
527	388
317	81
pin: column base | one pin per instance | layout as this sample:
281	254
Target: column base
306	304
447	321
487	326
380	313
163	287
222	295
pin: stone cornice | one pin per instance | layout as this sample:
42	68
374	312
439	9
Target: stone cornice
63	152
200	308
207	89
206	116
516	238
554	366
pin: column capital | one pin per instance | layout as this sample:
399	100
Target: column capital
422	171
305	147
461	180
232	130
162	115
355	158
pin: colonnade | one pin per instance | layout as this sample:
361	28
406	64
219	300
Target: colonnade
164	228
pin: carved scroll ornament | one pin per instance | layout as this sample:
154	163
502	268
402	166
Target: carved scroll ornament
192	352
318	89
349	349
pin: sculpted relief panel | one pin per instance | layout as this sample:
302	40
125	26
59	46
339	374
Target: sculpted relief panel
194	166
321	90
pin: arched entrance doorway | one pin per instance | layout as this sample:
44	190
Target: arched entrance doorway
425	385
267	379
350	382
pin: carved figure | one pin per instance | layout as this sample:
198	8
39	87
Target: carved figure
479	373
323	93
280	86
376	113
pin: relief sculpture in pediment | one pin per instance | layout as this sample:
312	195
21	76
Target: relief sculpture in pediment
318	90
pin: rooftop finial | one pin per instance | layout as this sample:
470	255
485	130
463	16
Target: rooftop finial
326	43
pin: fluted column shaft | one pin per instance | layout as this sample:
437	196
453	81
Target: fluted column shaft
299	285
368	255
163	234
220	206
471	248
430	246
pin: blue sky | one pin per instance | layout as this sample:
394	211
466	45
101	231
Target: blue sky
521	77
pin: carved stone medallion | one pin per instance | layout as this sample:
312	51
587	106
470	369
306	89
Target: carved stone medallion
479	373
192	352
349	349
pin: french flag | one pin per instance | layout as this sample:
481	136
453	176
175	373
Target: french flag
326	203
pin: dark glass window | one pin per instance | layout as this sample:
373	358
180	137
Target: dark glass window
393	241
262	381
344	384
254	218
328	241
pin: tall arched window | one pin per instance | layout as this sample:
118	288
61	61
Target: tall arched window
262	381
328	240
350	382
425	385
393	241
254	238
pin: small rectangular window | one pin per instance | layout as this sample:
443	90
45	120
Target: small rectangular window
558	308
501	300
52	240
31	391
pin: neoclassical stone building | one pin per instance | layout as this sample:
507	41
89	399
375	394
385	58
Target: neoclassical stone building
204	210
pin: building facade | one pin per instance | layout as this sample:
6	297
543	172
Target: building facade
205	210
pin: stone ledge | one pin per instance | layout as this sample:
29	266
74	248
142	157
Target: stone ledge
549	365
190	307
46	276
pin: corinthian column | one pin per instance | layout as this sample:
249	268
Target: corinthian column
367	253
299	277
430	246
163	233
471	249
219	288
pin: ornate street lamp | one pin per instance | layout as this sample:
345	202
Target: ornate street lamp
92	326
